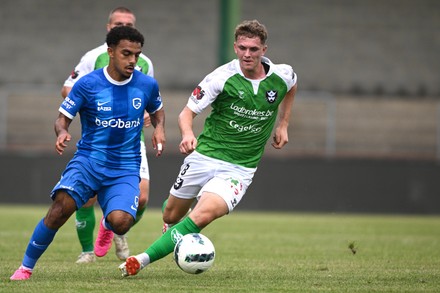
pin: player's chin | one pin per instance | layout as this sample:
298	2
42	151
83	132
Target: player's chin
129	70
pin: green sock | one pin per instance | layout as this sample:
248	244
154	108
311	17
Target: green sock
139	214
85	225
165	244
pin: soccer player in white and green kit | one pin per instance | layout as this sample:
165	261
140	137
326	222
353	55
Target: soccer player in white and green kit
85	216
248	96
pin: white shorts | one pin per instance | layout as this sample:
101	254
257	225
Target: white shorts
144	171
200	173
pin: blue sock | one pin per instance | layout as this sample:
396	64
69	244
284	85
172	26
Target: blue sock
40	240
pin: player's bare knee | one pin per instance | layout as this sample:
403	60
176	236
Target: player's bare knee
57	216
120	221
121	226
60	211
166	218
121	230
171	217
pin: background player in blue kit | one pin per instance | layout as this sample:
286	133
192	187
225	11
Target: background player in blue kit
111	102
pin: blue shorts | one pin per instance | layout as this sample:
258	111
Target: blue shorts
116	189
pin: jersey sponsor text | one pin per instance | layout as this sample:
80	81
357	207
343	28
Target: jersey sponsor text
252	114
117	123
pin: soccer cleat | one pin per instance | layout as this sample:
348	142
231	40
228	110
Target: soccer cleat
130	267
21	274
103	241
121	245
86	257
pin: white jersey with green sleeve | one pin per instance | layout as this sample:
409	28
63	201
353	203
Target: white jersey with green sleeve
98	58
243	113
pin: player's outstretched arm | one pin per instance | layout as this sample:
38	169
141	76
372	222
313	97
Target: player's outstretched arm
281	137
158	138
62	131
189	141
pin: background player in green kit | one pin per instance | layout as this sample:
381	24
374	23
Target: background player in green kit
247	96
85	216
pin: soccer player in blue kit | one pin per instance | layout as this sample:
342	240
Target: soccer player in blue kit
111	102
85	216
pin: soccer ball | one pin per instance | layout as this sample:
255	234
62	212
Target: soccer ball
194	253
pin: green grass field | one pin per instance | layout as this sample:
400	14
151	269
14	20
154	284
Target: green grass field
256	252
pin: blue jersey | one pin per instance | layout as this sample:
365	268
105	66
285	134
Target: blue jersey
111	115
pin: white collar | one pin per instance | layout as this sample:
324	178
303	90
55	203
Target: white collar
115	82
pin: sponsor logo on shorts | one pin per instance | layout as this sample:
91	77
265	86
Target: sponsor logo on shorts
234	202
135	206
235	185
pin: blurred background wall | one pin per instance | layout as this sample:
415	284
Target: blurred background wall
365	134
344	46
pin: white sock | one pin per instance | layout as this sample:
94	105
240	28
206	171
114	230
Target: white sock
26	268
104	224
144	259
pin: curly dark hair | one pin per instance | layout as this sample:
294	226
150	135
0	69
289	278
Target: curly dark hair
118	33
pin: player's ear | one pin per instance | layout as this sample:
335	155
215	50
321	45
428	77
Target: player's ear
264	49
110	52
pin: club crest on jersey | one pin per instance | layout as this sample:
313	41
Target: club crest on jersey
137	102
271	96
74	74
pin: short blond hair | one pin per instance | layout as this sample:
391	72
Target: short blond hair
120	9
251	29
